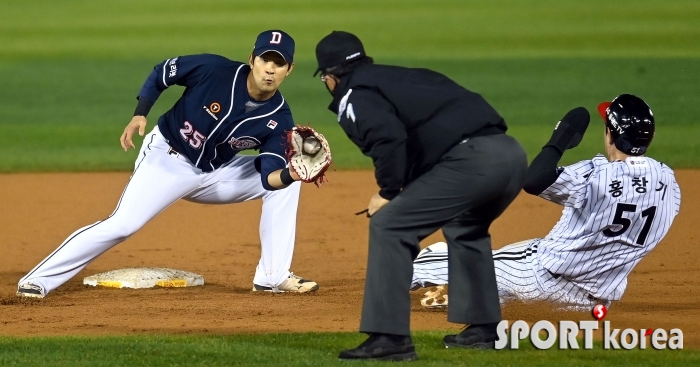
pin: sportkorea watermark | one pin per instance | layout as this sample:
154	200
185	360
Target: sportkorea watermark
567	333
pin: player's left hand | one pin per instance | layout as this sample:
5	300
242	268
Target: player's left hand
308	153
569	131
376	203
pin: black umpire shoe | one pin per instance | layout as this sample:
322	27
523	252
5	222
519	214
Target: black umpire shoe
474	337
384	347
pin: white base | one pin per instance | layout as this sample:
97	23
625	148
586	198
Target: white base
144	278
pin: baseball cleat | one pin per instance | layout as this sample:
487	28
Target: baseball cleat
473	337
435	297
293	284
382	347
30	290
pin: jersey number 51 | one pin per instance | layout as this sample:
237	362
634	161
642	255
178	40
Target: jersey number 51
620	209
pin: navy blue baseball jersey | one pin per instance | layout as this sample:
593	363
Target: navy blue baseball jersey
215	118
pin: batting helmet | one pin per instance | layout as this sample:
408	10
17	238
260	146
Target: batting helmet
631	123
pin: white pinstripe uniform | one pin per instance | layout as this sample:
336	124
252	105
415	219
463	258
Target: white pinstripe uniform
614	214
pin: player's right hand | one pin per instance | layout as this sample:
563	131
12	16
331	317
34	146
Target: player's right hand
137	122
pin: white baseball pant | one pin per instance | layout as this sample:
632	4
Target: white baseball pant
160	178
518	275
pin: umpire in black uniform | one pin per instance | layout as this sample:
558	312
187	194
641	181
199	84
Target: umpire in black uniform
442	160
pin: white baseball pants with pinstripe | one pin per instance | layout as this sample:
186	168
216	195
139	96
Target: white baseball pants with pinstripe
160	178
518	275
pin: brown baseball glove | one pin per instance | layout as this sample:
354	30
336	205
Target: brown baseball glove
308	154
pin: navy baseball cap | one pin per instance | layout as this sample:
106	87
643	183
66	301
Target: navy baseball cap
338	48
276	41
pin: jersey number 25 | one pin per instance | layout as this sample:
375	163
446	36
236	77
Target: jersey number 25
192	136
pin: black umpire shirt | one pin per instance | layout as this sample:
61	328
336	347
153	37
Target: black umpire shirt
406	119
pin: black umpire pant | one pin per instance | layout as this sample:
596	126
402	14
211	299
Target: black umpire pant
468	189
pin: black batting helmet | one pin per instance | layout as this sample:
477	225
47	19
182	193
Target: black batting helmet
630	121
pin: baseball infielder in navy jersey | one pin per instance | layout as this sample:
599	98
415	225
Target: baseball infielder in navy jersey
616	210
192	154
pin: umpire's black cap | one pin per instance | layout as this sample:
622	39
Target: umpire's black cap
338	48
276	41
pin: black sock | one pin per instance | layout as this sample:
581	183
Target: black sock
488	327
399	339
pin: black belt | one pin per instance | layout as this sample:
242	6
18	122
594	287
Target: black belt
555	276
595	299
485	131
172	151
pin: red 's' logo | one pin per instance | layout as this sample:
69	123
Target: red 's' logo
599	312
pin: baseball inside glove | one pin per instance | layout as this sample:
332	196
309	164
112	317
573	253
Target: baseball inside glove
308	154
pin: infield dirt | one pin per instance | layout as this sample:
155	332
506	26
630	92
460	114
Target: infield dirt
221	242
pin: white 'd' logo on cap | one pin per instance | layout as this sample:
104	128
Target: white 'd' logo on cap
276	38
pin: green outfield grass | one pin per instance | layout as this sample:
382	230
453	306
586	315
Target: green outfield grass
70	70
300	349
67	115
440	29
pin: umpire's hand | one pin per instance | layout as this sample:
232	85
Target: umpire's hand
137	122
375	203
